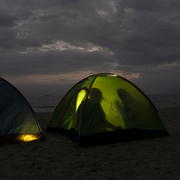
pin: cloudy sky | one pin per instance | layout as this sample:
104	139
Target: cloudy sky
46	46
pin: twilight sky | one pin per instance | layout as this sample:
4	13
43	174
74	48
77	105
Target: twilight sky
46	46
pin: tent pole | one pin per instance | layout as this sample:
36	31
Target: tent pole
83	109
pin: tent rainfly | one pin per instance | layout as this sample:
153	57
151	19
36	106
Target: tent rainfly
106	108
17	118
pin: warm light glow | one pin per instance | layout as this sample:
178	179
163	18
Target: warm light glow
50	79
28	137
127	76
81	96
68	78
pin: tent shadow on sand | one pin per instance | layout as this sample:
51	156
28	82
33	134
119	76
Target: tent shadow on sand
17	118
106	108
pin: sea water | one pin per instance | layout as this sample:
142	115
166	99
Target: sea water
44	103
163	101
49	103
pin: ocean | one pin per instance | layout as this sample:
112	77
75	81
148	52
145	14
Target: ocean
49	103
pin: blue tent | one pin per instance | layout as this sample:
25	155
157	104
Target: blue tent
17	118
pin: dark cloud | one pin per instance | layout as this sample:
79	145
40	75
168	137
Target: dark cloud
64	36
6	20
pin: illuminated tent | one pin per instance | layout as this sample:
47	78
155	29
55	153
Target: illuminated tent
106	108
17	118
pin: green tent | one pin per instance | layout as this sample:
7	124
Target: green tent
17	118
106	108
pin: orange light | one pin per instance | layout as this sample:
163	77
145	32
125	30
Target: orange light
28	137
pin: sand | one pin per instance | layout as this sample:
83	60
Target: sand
58	157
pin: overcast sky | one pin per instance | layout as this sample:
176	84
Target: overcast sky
46	46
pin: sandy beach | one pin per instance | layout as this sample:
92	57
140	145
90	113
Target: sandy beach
58	158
